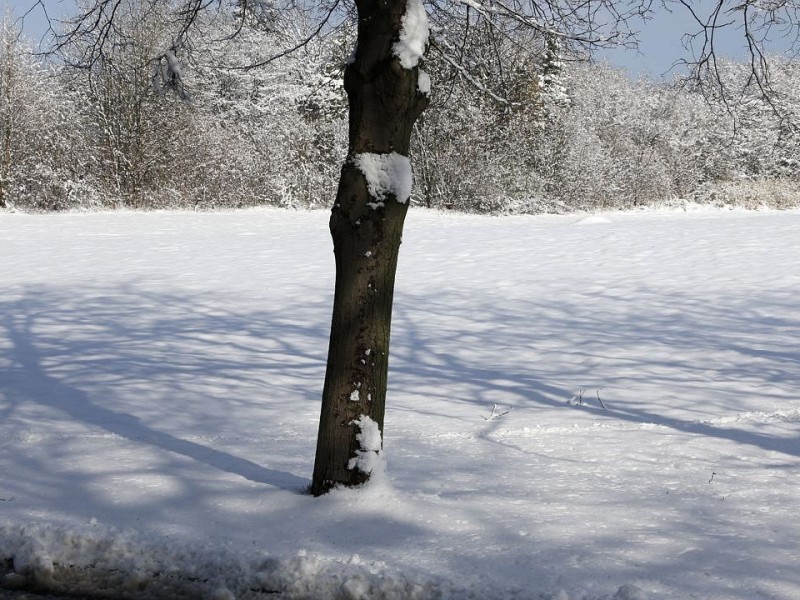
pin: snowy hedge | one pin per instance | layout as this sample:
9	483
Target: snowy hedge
539	135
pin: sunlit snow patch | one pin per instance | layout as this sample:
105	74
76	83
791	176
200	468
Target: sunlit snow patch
593	220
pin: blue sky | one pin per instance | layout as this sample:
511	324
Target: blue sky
662	43
661	38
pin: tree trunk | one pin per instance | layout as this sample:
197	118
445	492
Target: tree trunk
367	229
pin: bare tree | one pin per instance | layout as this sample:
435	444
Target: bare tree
387	91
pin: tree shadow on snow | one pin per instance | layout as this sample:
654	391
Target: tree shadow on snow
83	353
527	353
115	343
199	358
533	354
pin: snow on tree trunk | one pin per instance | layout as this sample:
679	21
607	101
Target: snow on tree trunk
367	224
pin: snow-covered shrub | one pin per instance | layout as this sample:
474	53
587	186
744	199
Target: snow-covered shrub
143	140
511	128
44	162
611	143
275	134
44	189
751	193
614	142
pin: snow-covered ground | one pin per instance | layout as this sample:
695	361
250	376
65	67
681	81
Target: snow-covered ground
160	378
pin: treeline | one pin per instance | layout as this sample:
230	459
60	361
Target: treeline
535	134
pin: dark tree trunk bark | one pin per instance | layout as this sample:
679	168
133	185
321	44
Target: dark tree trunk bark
384	104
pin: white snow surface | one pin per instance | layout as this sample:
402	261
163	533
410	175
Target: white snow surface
160	376
386	174
410	48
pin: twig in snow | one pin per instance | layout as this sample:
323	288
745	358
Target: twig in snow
712	477
603	406
578	399
495	414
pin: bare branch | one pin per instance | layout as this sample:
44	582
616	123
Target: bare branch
756	20
441	50
298	46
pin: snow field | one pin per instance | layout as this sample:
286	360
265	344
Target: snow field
160	378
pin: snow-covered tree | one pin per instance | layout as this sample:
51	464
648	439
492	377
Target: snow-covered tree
275	133
41	162
142	138
10	102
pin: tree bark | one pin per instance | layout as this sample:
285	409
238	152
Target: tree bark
384	104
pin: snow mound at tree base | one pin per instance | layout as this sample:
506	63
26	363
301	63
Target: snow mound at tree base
95	562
